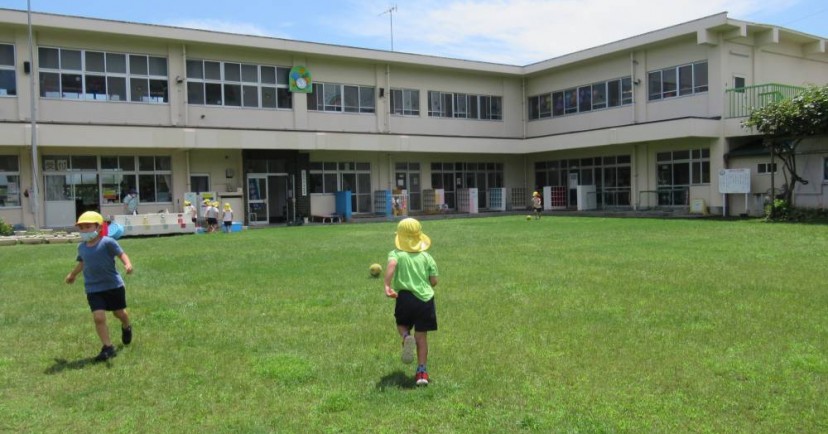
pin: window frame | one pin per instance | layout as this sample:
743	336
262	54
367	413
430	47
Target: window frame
213	83
9	187
616	92
9	72
404	102
668	82
330	175
128	171
473	107
89	82
342	98
765	168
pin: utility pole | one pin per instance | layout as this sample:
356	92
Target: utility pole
34	200
390	11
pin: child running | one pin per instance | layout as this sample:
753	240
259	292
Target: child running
536	205
410	278
104	285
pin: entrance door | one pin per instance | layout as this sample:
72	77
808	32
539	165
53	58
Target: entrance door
277	187
257	199
59	203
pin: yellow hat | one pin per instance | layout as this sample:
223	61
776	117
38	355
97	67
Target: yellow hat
410	236
535	194
214	203
226	206
90	217
187	203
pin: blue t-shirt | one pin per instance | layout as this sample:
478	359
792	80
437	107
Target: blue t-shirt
99	273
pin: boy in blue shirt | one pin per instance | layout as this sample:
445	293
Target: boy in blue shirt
104	286
410	278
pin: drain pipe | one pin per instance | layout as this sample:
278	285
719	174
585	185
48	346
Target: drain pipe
633	85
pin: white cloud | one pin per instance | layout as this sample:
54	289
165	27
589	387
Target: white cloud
221	26
528	31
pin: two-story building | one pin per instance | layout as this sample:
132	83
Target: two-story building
90	109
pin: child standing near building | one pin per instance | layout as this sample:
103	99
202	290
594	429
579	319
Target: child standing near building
227	217
410	278
211	214
536	204
104	285
131	202
190	211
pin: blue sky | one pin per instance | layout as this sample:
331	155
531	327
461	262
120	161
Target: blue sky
515	32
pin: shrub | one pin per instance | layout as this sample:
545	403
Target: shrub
5	228
777	210
781	211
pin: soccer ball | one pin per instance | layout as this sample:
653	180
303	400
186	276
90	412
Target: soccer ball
528	217
375	270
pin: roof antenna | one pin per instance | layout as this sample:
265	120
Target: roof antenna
390	11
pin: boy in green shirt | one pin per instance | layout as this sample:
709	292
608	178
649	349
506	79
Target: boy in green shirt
410	278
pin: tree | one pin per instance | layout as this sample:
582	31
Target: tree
785	123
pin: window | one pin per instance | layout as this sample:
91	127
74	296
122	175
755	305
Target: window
341	98
678	80
405	102
766	168
101	76
571	101
452	176
557	104
151	176
581	99
233	84
465	106
330	177
199	183
677	170
599	96
461	102
407	177
824	172
9	181
584	99
8	79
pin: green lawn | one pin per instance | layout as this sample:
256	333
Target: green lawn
576	325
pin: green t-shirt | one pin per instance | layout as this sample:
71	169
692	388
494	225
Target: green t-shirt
412	273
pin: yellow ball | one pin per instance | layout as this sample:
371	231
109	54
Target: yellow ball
528	217
375	270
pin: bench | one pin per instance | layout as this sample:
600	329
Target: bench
331	218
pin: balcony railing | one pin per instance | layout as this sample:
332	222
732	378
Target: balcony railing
741	101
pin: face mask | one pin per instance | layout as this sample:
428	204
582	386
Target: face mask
88	236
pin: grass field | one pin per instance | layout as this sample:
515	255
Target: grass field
571	325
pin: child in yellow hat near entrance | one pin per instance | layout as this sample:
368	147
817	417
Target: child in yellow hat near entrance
410	278
104	285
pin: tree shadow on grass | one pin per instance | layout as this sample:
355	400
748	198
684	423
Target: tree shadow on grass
395	380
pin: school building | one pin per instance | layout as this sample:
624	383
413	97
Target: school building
280	126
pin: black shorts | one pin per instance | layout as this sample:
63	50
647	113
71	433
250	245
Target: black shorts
228	224
212	221
410	311
113	299
538	209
